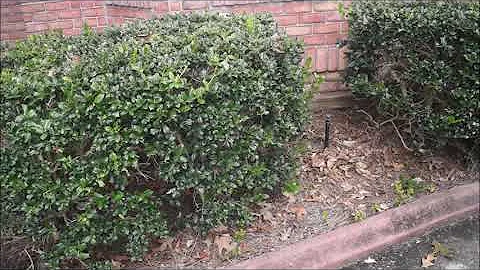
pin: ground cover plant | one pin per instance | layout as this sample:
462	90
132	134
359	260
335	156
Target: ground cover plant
111	140
419	62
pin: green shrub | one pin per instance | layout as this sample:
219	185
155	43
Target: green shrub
420	62
110	140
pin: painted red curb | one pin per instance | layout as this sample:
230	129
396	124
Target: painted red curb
349	243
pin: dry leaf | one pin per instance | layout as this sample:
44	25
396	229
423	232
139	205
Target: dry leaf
219	230
384	206
202	255
427	261
291	198
345	169
331	163
397	166
348	143
243	247
347	187
285	234
267	215
439	249
224	243
119	258
361	165
318	161
116	265
298	210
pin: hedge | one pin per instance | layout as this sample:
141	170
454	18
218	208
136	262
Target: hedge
111	140
419	61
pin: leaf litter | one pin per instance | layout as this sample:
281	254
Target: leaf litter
359	168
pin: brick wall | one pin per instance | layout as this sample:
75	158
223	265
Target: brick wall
317	23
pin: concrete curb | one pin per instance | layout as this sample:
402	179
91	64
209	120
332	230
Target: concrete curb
349	243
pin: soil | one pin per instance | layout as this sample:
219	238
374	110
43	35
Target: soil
346	182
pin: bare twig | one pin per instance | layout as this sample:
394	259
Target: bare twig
83	264
32	265
400	136
369	117
389	120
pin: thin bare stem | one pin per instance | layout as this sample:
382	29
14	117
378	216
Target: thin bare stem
32	265
400	136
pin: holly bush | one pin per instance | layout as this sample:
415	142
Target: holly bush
420	62
111	140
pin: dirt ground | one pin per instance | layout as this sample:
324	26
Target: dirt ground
348	181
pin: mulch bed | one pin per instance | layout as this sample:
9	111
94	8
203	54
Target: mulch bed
339	185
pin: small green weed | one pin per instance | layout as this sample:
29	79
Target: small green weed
291	187
325	215
239	235
359	215
376	207
406	188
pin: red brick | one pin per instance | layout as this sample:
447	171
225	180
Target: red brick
77	23
333	16
243	9
314	40
72	32
332	76
328	86
310	52
325	6
90	22
115	21
13	36
325	28
93	12
297	6
144	14
55	6
90	3
344	28
13	18
69	14
195	5
60	25
27	17
342	58
332	59
299	30
74	4
102	21
35	27
161	7
229	2
269	7
284	20
175	6
333	38
13	27
33	7
45	16
99	29
322	60
120	12
311	17
5	10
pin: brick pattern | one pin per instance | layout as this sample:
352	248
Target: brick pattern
315	22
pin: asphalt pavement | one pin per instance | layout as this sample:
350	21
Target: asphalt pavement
460	238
